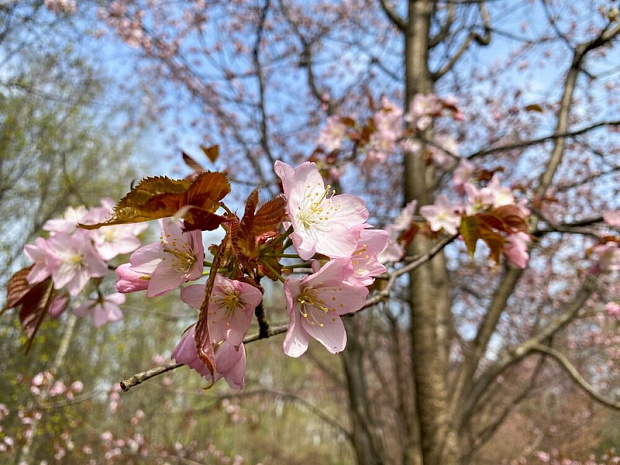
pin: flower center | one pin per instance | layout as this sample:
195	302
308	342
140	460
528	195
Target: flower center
182	260
316	205
309	298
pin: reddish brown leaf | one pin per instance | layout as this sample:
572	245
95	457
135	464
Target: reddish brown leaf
162	197
512	218
193	164
204	345
17	288
534	107
244	239
347	121
212	152
408	234
491	221
494	241
269	216
34	300
470	232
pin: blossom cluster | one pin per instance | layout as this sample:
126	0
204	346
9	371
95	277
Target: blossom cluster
329	234
73	256
389	130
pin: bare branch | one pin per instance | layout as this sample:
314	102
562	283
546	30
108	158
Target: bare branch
294	399
570	369
540	140
264	136
481	40
518	353
389	11
445	28
139	378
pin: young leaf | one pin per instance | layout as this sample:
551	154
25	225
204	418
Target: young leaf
269	216
161	197
470	233
34	300
212	152
17	288
193	164
204	345
512	218
493	240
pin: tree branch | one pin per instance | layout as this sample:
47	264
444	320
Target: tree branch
570	369
139	378
540	140
481	40
518	353
264	136
392	15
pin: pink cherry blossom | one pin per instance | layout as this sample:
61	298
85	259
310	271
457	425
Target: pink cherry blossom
364	264
515	249
462	174
606	256
78	261
495	194
321	221
613	308
442	215
68	223
315	304
61	6
104	310
231	307
129	280
444	150
111	241
230	361
176	259
58	305
44	261
422	109
612	218
394	251
332	135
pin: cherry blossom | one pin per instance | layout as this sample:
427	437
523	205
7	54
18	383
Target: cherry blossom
462	174
315	304
394	251
613	308
44	261
442	215
69	221
230	361
364	264
61	6
332	135
606	256
231	307
422	109
515	249
321	220
103	310
612	218
78	261
176	259
495	194
129	280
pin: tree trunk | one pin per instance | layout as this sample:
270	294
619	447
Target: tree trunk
366	441
428	291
